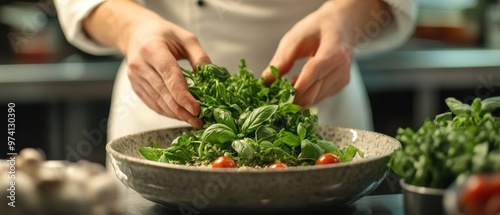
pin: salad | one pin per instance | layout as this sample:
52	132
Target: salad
247	123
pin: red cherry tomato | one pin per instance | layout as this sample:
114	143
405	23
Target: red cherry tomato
327	158
478	191
278	165
223	162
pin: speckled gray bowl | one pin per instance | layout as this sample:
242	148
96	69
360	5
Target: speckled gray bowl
195	189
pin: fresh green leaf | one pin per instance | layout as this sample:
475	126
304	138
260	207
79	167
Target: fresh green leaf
458	108
289	108
265	132
327	146
257	117
310	150
218	133
245	148
349	153
223	116
289	139
490	104
301	131
150	153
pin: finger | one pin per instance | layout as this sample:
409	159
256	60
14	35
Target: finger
143	79
139	71
195	53
146	92
339	81
156	102
306	97
294	79
181	100
168	97
326	60
337	75
283	58
309	83
314	70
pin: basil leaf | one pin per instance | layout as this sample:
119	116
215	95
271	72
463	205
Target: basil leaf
218	133
490	104
266	144
289	108
245	148
219	72
151	153
220	91
458	108
257	117
349	153
328	146
289	139
310	150
224	117
275	73
177	154
243	117
301	131
264	132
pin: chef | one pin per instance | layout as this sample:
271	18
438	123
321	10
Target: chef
312	42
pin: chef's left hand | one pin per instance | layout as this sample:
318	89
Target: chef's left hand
326	37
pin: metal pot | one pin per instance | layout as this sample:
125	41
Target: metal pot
422	200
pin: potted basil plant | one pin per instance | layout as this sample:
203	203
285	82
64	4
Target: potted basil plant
450	146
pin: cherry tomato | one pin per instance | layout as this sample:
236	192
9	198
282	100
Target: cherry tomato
278	165
478	191
223	162
327	158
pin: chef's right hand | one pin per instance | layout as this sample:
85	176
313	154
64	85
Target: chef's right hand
152	48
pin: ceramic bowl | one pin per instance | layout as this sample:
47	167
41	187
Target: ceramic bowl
196	189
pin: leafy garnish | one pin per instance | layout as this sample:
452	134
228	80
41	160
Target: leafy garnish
248	121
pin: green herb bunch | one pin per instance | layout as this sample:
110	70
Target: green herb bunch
463	141
253	123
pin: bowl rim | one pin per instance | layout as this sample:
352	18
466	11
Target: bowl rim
142	161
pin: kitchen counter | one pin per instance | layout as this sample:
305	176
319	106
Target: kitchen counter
380	204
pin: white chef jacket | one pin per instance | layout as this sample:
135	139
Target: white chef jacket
233	29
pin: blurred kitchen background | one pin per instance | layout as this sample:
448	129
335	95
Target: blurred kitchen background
62	95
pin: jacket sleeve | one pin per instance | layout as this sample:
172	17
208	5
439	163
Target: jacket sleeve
386	33
71	14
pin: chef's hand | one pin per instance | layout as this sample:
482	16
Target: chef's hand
152	53
152	46
326	37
